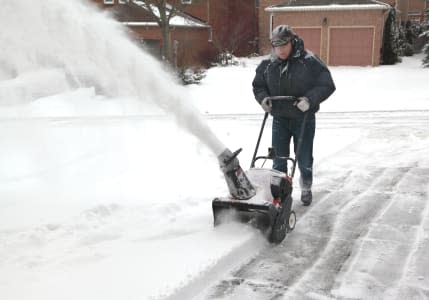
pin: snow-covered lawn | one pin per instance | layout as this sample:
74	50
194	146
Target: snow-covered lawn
106	198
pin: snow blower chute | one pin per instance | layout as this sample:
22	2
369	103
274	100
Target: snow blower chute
260	194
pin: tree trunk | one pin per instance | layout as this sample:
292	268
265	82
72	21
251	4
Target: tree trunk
165	50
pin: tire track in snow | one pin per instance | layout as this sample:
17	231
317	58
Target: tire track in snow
414	282
275	269
349	227
397	232
307	263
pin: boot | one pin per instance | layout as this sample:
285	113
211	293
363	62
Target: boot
306	197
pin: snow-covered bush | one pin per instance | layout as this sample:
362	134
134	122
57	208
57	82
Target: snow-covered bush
226	58
426	49
254	54
191	75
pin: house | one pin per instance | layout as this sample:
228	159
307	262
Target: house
409	10
200	30
340	32
234	23
190	38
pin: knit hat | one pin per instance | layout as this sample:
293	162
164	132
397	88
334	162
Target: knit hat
281	35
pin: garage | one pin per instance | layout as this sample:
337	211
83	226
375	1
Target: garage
312	38
340	32
351	46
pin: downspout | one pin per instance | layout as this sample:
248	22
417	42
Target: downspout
210	34
208	12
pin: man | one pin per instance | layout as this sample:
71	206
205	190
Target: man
293	71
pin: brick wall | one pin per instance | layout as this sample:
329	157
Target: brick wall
408	9
264	20
416	10
193	46
419	5
198	8
234	25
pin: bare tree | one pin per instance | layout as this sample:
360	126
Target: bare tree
162	11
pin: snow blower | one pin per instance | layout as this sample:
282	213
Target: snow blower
260	195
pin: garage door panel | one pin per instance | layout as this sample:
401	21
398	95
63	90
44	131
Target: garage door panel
311	37
350	46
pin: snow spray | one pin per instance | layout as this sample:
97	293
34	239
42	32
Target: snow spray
56	46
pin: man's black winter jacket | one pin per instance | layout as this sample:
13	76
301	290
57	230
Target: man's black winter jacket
302	75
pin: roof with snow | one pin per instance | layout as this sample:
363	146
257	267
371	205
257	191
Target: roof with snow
136	13
323	5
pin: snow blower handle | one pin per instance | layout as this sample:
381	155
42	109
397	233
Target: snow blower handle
252	165
292	102
287	98
285	107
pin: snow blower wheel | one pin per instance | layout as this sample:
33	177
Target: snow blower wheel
292	221
279	228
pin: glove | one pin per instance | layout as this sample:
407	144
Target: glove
266	104
303	104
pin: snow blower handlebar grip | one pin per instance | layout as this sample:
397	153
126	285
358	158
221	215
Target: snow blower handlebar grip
283	98
285	106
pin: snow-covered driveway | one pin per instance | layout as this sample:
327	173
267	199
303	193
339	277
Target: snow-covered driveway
87	213
365	237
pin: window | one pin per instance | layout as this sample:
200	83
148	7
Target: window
186	1
109	1
123	1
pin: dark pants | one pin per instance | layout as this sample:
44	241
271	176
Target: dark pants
283	130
